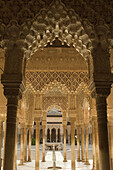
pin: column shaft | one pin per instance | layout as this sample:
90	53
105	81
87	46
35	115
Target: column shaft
25	144
22	146
111	143
43	152
96	146
78	145
82	143
103	133
9	162
87	155
29	152
72	146
16	145
1	130
64	127
37	145
112	147
94	155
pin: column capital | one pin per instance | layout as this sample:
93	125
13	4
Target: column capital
44	123
64	126
86	125
13	77
29	126
22	125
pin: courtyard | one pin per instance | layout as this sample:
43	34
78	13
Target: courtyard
59	159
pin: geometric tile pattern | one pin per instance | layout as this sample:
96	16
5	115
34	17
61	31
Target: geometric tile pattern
38	79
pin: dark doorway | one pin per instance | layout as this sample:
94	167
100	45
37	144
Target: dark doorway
53	135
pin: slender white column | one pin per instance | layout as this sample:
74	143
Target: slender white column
87	155
25	144
78	145
37	144
43	152
94	154
16	144
29	152
82	143
97	146
72	145
22	146
1	130
64	128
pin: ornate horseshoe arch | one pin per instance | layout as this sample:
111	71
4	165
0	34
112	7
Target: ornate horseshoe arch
58	22
60	101
56	106
55	21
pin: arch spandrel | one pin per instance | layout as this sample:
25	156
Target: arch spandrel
83	102
58	101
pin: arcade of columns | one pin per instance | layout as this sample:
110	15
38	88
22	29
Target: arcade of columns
38	24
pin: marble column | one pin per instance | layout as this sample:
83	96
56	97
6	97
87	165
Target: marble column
29	151
111	142
82	143
9	152
4	143
22	146
87	141
72	145
37	149
64	128
16	144
1	130
112	146
25	144
96	145
101	107
94	155
78	145
43	151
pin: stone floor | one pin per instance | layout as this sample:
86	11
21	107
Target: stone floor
59	163
59	159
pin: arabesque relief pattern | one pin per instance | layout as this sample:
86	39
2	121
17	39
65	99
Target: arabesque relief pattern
58	101
71	79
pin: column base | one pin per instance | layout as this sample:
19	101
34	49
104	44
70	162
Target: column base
87	163
21	164
29	160
78	160
65	160
83	160
44	160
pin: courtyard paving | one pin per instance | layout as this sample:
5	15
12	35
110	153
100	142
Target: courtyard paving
59	159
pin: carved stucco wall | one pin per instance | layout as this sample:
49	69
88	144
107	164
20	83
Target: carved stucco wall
59	101
70	79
